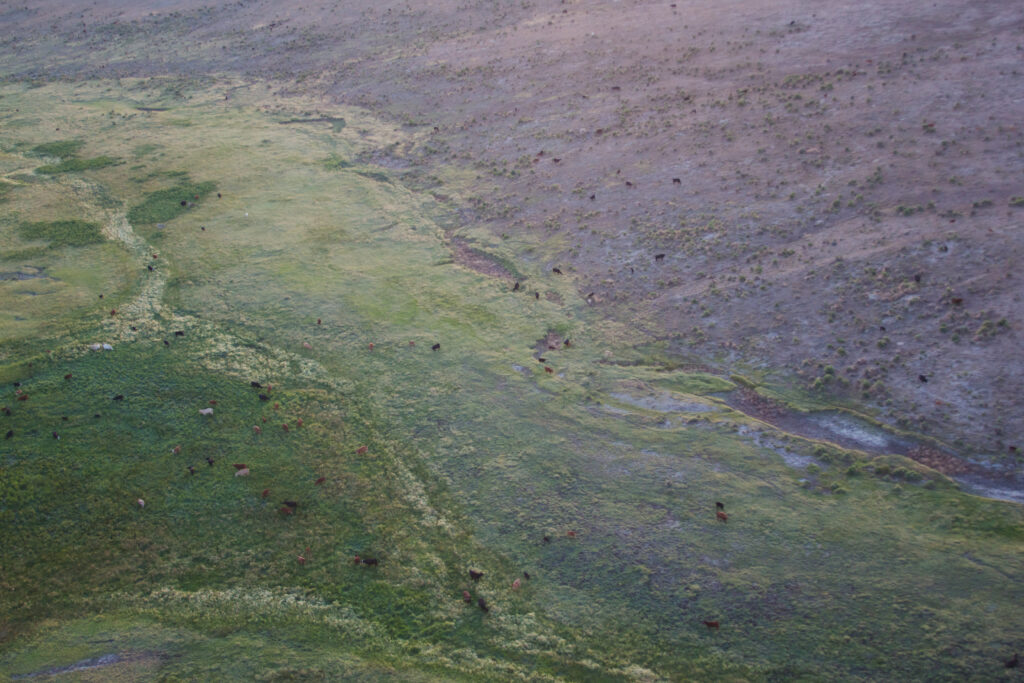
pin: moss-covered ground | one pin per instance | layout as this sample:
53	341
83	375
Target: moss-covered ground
237	250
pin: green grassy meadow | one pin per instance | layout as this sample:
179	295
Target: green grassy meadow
836	567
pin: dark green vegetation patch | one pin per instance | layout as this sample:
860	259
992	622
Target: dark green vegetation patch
58	148
73	165
166	205
69	233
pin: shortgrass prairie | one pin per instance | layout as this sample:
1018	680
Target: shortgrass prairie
237	251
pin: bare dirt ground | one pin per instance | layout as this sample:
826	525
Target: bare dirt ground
834	186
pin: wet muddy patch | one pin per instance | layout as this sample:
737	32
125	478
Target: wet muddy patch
480	261
850	432
24	274
663	402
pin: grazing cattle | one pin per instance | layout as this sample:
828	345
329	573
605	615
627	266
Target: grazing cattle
276	406
264	397
256	428
113	312
362	450
548	370
209	461
239	465
1012	662
212	402
957	301
722	516
567	343
7	411
466	597
659	257
320	480
285	510
593	197
515	585
218	195
242	473
720	506
255	385
24	397
483	604
412	344
56	435
166	343
677	181
119	397
307	345
547	539
711	624
555	160
290	503
133	328
371	561
191	470
284	426
141	503
526	575
436	347
371	346
922	378
206	411
266	492
556	271
150	268
9	434
319	322
67	376
299	422
515	287
629	184
356	559
542	359
302	560
570	534
179	333
176	450
475	575
536	295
